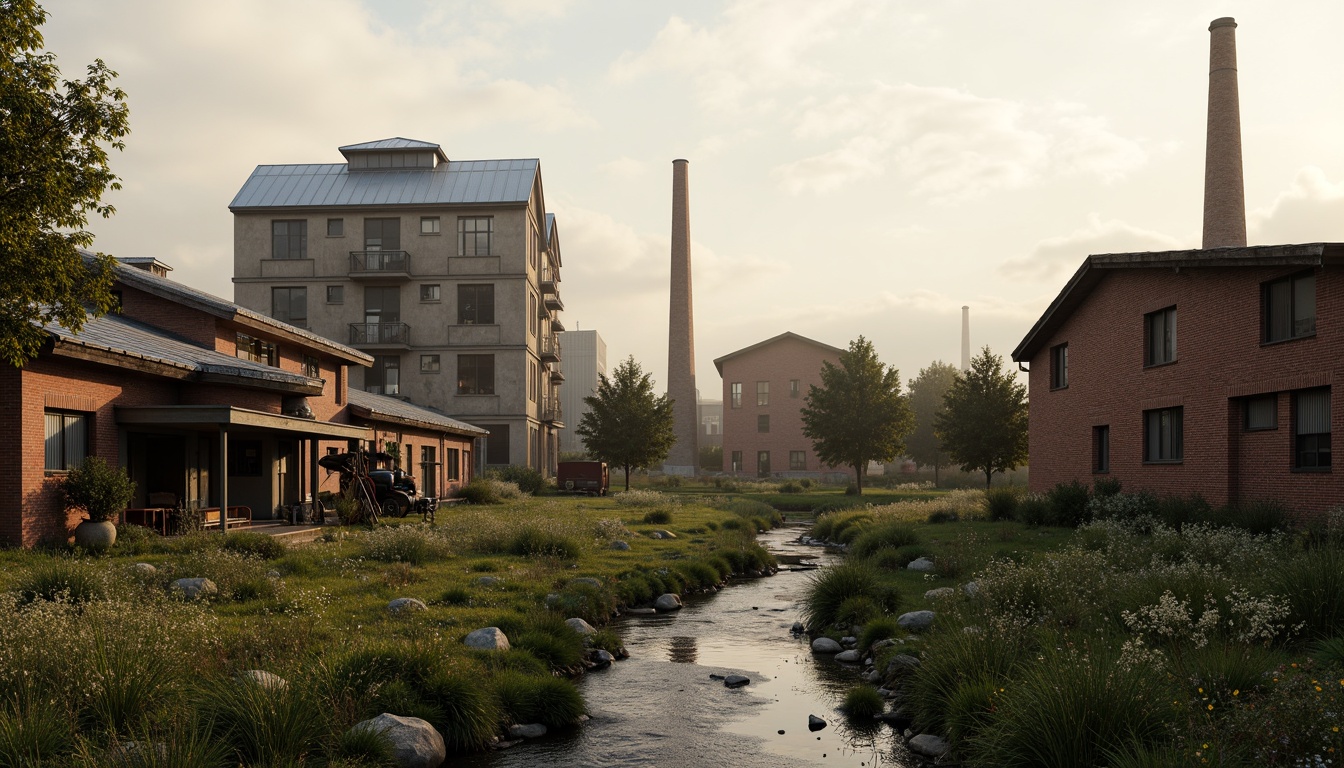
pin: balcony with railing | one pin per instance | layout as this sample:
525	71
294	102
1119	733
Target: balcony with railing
550	349
380	264
387	335
550	410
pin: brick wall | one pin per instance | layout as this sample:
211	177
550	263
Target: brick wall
1219	361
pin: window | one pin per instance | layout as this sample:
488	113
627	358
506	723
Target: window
762	393
736	458
531	381
735	397
763	423
797	460
258	351
795	388
452	464
289	239
429	363
762	463
429	225
1311	433
1059	366
476	304
384	378
1262	412
1159	329
382	304
335	227
474	236
536	317
1101	448
311	368
67	440
1290	307
429	292
497	444
335	294
290	305
429	471
1162	441
382	234
476	375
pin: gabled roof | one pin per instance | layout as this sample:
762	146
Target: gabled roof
384	408
462	182
227	310
1095	267
117	340
718	363
395	142
552	236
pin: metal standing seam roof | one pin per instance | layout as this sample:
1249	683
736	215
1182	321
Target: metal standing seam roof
123	336
451	183
382	405
396	142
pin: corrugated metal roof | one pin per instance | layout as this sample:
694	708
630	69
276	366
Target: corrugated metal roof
395	142
382	405
454	182
123	336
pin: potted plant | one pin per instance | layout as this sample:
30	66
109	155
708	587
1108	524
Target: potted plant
101	492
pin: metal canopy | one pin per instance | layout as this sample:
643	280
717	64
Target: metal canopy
214	416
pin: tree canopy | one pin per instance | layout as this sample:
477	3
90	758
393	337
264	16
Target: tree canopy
627	425
983	425
54	137
926	402
858	414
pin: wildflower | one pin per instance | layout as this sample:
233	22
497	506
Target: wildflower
1236	692
1210	707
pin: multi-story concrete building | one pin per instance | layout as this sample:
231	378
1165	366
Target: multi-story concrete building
711	422
446	272
585	358
764	386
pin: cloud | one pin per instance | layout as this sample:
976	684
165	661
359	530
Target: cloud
1311	210
624	168
950	144
1063	254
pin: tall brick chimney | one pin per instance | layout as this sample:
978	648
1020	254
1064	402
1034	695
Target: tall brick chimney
1224	193
965	339
685	454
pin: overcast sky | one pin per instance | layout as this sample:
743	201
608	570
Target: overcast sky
855	167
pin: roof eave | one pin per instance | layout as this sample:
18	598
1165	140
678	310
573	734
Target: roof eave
369	414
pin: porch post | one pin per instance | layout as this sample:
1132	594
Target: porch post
312	480
223	478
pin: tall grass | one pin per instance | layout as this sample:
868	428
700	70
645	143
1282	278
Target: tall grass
830	592
262	725
886	534
1313	582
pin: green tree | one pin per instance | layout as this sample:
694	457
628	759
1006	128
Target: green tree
627	425
926	401
858	414
983	425
53	172
711	457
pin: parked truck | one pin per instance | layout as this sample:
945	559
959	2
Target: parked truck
587	477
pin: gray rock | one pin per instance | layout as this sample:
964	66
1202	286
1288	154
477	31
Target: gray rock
880	644
194	588
971	588
415	743
580	626
939	593
849	657
736	681
600	658
145	569
915	621
898	718
928	745
587	581
273	574
825	645
640	611
487	639
901	664
552	599
667	602
528	731
798	628
849	642
488	581
873	677
406	605
815	723
620	545
662	535
264	679
922	564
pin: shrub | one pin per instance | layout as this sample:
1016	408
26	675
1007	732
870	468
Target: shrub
61	579
553	702
1034	510
527	479
1103	487
464	711
1330	653
953	655
96	488
1177	511
852	490
1258	517
658	516
486	490
253	543
1001	503
642	498
969	708
1068	504
263	726
878	629
592	604
135	539
532	541
455	596
829	589
366	747
753	509
698	574
805	483
34	734
856	610
1313	584
547	637
884	535
790	486
863	703
414	544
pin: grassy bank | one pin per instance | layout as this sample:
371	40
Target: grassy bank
97	652
1160	632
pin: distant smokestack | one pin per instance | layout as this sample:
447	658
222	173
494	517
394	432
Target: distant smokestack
965	339
684	456
1224	192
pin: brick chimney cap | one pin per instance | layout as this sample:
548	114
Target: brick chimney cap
1226	21
679	160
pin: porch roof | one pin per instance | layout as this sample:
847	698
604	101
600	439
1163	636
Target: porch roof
214	416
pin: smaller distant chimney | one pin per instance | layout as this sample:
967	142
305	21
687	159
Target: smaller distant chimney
965	339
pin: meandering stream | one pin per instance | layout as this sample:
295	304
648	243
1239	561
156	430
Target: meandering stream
661	708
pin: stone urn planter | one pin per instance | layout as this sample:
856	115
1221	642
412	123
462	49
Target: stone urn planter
95	534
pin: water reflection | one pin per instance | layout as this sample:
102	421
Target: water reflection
682	650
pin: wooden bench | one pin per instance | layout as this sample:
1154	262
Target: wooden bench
237	516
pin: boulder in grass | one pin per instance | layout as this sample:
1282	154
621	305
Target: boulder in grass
915	621
487	639
928	745
415	743
266	680
527	731
488	581
145	569
921	564
825	645
849	657
620	545
667	602
195	588
662	535
406	605
939	593
587	581
580	626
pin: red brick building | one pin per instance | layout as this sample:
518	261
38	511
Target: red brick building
763	390
1203	371
204	403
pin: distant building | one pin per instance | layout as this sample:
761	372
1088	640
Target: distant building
585	358
446	273
763	390
711	422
